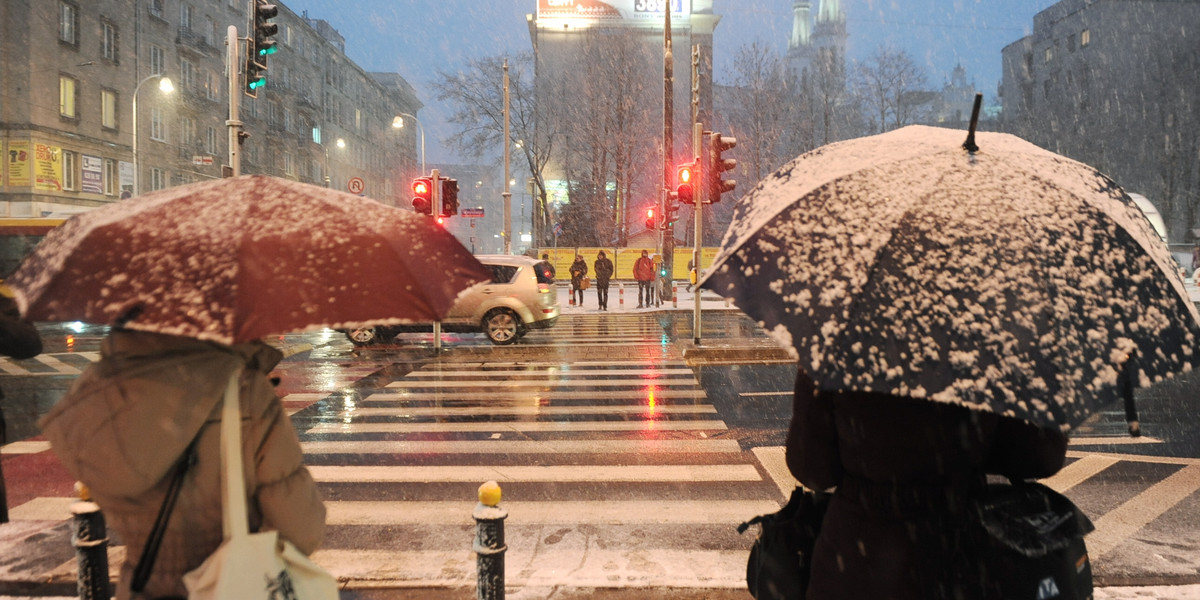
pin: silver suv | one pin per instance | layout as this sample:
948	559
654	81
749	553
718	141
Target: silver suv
520	297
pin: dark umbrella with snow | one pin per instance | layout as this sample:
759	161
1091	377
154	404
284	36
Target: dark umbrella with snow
1009	279
231	260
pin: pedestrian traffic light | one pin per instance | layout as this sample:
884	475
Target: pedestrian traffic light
670	215
684	191
449	197
651	222
422	201
717	165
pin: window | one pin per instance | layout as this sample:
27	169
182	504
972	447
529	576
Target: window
66	96
287	119
70	166
1071	42
156	8
187	74
108	46
210	141
67	22
1049	54
187	133
212	86
108	109
158	130
158	60
110	177
358	120
288	169
158	179
1085	38
185	16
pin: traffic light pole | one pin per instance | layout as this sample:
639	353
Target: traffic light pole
234	124
437	211
701	196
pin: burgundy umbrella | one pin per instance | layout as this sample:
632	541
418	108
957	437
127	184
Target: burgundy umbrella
232	260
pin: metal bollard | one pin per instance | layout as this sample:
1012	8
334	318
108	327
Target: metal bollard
91	547
675	295
620	294
489	543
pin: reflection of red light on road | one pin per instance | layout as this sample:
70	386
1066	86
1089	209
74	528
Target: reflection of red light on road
70	341
650	402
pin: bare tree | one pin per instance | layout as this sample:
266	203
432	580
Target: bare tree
477	95
888	85
762	110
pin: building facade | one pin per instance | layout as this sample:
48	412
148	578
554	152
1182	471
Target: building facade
74	72
1112	83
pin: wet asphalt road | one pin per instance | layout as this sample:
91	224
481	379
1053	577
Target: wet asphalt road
626	456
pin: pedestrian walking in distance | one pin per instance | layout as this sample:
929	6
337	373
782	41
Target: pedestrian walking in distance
643	272
579	270
604	272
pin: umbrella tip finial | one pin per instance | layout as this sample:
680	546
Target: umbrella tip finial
970	143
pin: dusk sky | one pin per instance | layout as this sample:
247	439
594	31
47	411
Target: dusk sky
418	37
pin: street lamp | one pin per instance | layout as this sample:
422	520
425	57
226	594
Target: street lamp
340	144
165	86
398	123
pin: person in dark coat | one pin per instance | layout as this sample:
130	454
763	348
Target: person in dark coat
643	272
549	266
579	270
906	471
604	272
18	339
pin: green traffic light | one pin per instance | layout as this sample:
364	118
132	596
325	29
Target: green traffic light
268	51
257	84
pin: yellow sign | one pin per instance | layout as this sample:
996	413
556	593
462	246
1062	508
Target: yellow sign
17	160
47	167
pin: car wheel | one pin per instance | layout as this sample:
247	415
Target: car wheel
362	336
502	326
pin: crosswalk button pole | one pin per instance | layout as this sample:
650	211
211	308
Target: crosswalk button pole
489	543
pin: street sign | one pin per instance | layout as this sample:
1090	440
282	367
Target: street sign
356	185
470	212
202	160
557	229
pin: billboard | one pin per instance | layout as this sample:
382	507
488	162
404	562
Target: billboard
612	10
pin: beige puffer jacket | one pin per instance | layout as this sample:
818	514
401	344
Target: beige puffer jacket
129	417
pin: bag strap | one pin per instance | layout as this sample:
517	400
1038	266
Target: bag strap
141	572
235	523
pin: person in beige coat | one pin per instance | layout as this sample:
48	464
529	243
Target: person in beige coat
129	417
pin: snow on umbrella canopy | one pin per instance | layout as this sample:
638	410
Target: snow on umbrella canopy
235	259
1011	280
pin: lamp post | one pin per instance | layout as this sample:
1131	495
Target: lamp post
340	144
398	123
165	86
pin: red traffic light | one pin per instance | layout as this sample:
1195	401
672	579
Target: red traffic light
422	201
685	190
651	223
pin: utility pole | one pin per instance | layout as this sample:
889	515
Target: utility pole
235	92
667	232
507	170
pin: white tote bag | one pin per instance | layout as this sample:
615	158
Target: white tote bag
251	566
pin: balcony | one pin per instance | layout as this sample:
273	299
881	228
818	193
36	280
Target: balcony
189	38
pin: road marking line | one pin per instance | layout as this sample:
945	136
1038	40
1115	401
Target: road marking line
752	394
1118	525
499	446
1138	458
12	368
54	363
1079	471
535	394
25	447
434	411
43	509
564	373
541	383
554	474
542	363
1116	440
517	426
773	459
718	512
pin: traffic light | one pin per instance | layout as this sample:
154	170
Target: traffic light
422	201
684	189
651	222
717	144
449	197
261	46
670	215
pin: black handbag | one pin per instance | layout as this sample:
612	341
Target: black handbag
781	557
1032	544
